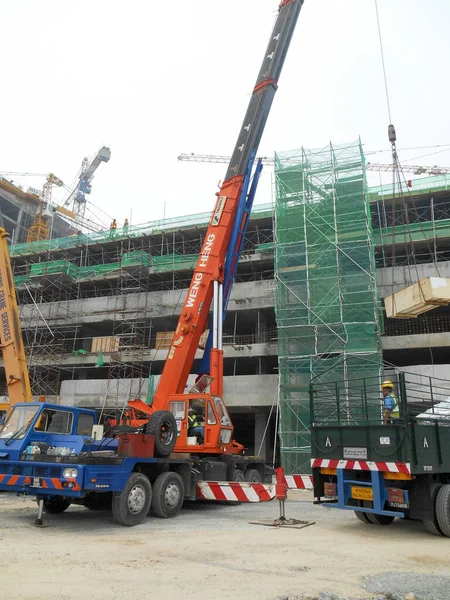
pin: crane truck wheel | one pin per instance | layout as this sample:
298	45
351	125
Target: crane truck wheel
443	509
55	505
168	495
238	475
252	476
362	516
379	519
163	426
131	505
432	525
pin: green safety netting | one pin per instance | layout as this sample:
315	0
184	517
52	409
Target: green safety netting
96	271
53	268
136	231
174	262
158	264
327	307
136	258
433	183
268	247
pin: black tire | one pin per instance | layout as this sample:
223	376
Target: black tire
443	509
130	507
431	525
55	505
252	476
379	519
163	426
238	475
168	495
362	516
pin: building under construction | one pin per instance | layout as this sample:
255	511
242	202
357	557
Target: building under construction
98	310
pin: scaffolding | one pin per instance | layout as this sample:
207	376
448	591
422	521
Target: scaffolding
327	308
57	279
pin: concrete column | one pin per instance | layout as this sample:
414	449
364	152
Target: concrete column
261	415
261	328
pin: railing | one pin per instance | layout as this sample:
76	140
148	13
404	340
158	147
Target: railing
360	401
422	325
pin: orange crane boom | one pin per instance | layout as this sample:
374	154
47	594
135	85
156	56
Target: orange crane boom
11	342
209	272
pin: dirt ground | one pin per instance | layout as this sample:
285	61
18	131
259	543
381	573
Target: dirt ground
208	551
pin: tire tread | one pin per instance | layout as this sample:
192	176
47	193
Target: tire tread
443	509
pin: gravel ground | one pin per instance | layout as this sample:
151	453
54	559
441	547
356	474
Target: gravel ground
210	551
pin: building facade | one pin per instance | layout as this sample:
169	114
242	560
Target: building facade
97	310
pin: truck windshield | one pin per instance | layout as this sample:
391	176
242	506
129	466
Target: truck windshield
17	422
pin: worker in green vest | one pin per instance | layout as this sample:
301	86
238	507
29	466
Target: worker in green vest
194	427
390	403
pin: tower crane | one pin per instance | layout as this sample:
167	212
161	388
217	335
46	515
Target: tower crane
40	230
267	160
84	187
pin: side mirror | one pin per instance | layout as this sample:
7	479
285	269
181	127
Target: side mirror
97	432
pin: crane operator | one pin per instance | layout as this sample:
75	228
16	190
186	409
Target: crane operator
195	428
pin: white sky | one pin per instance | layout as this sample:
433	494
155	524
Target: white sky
153	79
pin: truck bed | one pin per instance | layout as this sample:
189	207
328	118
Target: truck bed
347	426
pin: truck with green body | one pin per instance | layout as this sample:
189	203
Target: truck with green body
383	469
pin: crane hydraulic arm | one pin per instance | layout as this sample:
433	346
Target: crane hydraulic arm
11	342
209	273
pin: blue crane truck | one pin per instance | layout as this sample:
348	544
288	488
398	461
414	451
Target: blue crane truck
59	455
383	468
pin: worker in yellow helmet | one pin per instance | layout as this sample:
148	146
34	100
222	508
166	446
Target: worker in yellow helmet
390	403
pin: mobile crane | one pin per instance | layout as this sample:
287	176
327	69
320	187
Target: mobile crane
59	454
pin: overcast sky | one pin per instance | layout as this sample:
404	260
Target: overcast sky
153	79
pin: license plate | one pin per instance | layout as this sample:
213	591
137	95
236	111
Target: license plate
398	504
362	493
36	482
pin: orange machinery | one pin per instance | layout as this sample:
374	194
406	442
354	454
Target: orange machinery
169	409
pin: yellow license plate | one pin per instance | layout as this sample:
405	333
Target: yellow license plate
362	493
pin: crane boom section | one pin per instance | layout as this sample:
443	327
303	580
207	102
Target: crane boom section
11	342
211	263
265	88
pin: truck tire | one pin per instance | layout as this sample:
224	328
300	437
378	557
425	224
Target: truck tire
431	525
238	475
379	519
131	505
443	509
168	495
55	505
163	426
252	476
362	516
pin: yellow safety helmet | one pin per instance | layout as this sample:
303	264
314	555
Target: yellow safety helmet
387	384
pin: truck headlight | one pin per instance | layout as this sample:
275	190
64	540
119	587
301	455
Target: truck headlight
70	473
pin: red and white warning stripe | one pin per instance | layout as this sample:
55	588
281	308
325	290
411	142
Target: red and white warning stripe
235	491
362	465
299	482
